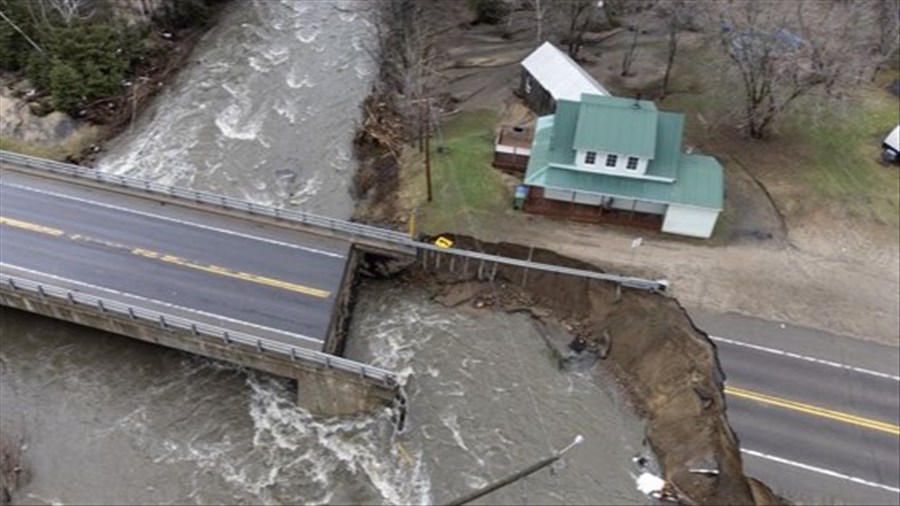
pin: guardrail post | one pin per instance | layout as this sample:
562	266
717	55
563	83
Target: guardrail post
277	213
162	321
147	186
480	269
71	297
327	362
525	269
424	259
293	353
259	347
437	261
494	272
131	314
362	371
100	305
41	292
225	337
194	329
465	266
12	283
196	196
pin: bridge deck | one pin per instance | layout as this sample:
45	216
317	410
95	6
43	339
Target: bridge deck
269	281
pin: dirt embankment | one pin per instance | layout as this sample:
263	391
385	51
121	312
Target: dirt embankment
668	366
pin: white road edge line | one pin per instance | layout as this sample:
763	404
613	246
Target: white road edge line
162	303
806	358
826	472
175	220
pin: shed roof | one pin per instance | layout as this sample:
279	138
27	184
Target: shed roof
617	125
893	139
559	74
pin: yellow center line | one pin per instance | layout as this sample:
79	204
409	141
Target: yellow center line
814	410
171	259
30	226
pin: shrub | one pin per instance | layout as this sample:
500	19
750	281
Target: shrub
68	87
489	12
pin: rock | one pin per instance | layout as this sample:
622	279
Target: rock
40	108
604	344
23	121
286	175
894	87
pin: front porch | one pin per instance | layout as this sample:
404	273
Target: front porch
535	203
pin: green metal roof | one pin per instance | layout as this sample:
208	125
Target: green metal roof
617	125
698	180
668	146
700	184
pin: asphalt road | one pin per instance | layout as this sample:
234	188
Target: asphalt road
265	280
817	415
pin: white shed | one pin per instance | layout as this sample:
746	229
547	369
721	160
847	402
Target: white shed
549	75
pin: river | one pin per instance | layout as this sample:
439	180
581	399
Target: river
275	87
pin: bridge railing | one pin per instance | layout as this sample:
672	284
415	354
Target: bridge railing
167	321
315	220
350	229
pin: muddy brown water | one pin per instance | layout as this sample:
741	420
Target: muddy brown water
266	113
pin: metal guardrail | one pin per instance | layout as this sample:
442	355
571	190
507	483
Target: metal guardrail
333	224
167	321
351	229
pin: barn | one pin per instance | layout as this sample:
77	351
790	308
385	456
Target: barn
549	75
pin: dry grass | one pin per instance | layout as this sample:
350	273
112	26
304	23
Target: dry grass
72	147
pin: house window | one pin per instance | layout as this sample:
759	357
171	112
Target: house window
632	163
612	160
590	158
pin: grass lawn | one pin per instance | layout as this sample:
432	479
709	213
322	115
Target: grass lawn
821	169
468	193
844	166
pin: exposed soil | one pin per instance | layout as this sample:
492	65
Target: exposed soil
663	361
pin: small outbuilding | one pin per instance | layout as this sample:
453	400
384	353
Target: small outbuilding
512	148
550	75
891	146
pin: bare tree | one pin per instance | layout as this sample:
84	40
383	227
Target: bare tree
579	14
784	51
887	19
70	10
540	13
638	13
628	56
678	15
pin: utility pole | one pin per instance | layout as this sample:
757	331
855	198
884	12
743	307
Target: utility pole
515	476
421	140
428	147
